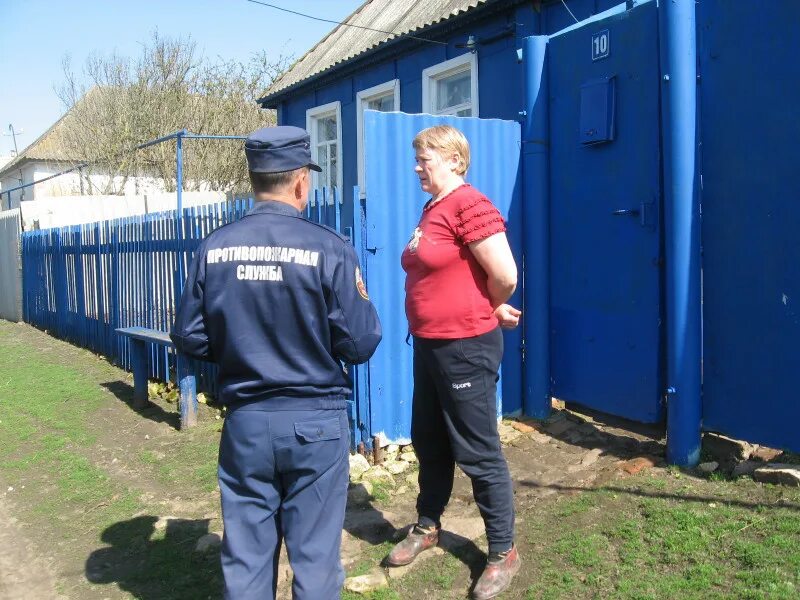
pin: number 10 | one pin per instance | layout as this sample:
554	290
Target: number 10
600	45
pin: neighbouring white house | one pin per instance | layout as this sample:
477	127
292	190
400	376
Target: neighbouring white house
45	157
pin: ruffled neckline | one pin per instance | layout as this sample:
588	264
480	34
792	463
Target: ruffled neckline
430	204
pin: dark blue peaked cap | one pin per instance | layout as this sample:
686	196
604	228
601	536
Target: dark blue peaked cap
278	149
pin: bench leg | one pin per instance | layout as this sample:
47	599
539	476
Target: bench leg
139	365
188	389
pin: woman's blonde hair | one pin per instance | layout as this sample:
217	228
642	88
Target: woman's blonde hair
445	140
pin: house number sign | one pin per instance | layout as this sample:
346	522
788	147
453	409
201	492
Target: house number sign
601	45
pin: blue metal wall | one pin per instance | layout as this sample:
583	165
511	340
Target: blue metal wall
393	207
751	214
499	72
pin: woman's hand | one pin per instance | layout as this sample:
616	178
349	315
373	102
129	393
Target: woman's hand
507	316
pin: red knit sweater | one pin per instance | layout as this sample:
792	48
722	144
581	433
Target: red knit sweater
446	292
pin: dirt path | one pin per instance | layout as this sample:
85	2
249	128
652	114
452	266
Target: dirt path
23	574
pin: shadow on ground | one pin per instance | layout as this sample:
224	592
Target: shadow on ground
617	436
153	412
665	495
153	564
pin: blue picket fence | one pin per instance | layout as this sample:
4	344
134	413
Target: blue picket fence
81	283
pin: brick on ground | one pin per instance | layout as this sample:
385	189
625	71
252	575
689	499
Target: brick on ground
637	465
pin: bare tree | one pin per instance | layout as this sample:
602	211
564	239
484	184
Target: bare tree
118	102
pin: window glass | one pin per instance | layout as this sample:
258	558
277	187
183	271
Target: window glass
453	94
332	179
383	104
327	128
322	160
325	150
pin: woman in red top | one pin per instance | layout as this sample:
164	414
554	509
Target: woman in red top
459	275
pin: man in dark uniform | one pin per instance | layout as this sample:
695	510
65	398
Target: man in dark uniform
279	304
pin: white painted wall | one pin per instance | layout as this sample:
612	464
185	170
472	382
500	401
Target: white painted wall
12	180
61	211
71	184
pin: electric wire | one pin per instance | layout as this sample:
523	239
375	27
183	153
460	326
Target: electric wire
312	17
569	11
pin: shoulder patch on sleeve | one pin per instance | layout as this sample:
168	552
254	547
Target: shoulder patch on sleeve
362	289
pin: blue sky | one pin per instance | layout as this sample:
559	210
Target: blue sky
36	34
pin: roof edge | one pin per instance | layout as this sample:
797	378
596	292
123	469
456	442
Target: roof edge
376	53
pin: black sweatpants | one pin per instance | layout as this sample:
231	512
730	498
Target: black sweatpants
454	421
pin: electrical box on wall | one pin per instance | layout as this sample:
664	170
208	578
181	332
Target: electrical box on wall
597	111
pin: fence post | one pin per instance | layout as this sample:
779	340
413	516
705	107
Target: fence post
60	281
114	300
24	244
101	288
80	298
188	390
179	225
139	353
336	210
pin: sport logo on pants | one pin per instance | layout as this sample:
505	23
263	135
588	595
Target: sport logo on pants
461	386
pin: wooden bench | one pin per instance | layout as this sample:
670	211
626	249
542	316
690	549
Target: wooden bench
139	338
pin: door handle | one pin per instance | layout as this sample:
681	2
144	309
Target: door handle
645	213
630	212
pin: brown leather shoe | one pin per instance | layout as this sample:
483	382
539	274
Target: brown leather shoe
417	540
497	575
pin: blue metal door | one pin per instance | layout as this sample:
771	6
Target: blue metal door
393	207
606	333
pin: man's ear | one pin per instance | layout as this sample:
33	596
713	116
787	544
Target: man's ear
300	187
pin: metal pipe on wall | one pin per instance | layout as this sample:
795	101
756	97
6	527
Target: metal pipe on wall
682	230
536	225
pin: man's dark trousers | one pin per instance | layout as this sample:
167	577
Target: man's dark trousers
283	475
454	421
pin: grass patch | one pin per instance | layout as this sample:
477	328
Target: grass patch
191	459
46	419
381	492
663	536
435	578
95	523
371	558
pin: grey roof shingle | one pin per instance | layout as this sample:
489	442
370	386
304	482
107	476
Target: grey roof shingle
400	17
48	147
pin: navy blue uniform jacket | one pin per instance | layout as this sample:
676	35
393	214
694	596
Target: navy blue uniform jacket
277	302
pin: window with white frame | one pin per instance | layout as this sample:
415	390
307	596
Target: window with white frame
451	87
385	98
324	124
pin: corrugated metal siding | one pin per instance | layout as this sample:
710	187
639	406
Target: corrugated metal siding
344	43
751	250
10	270
393	207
